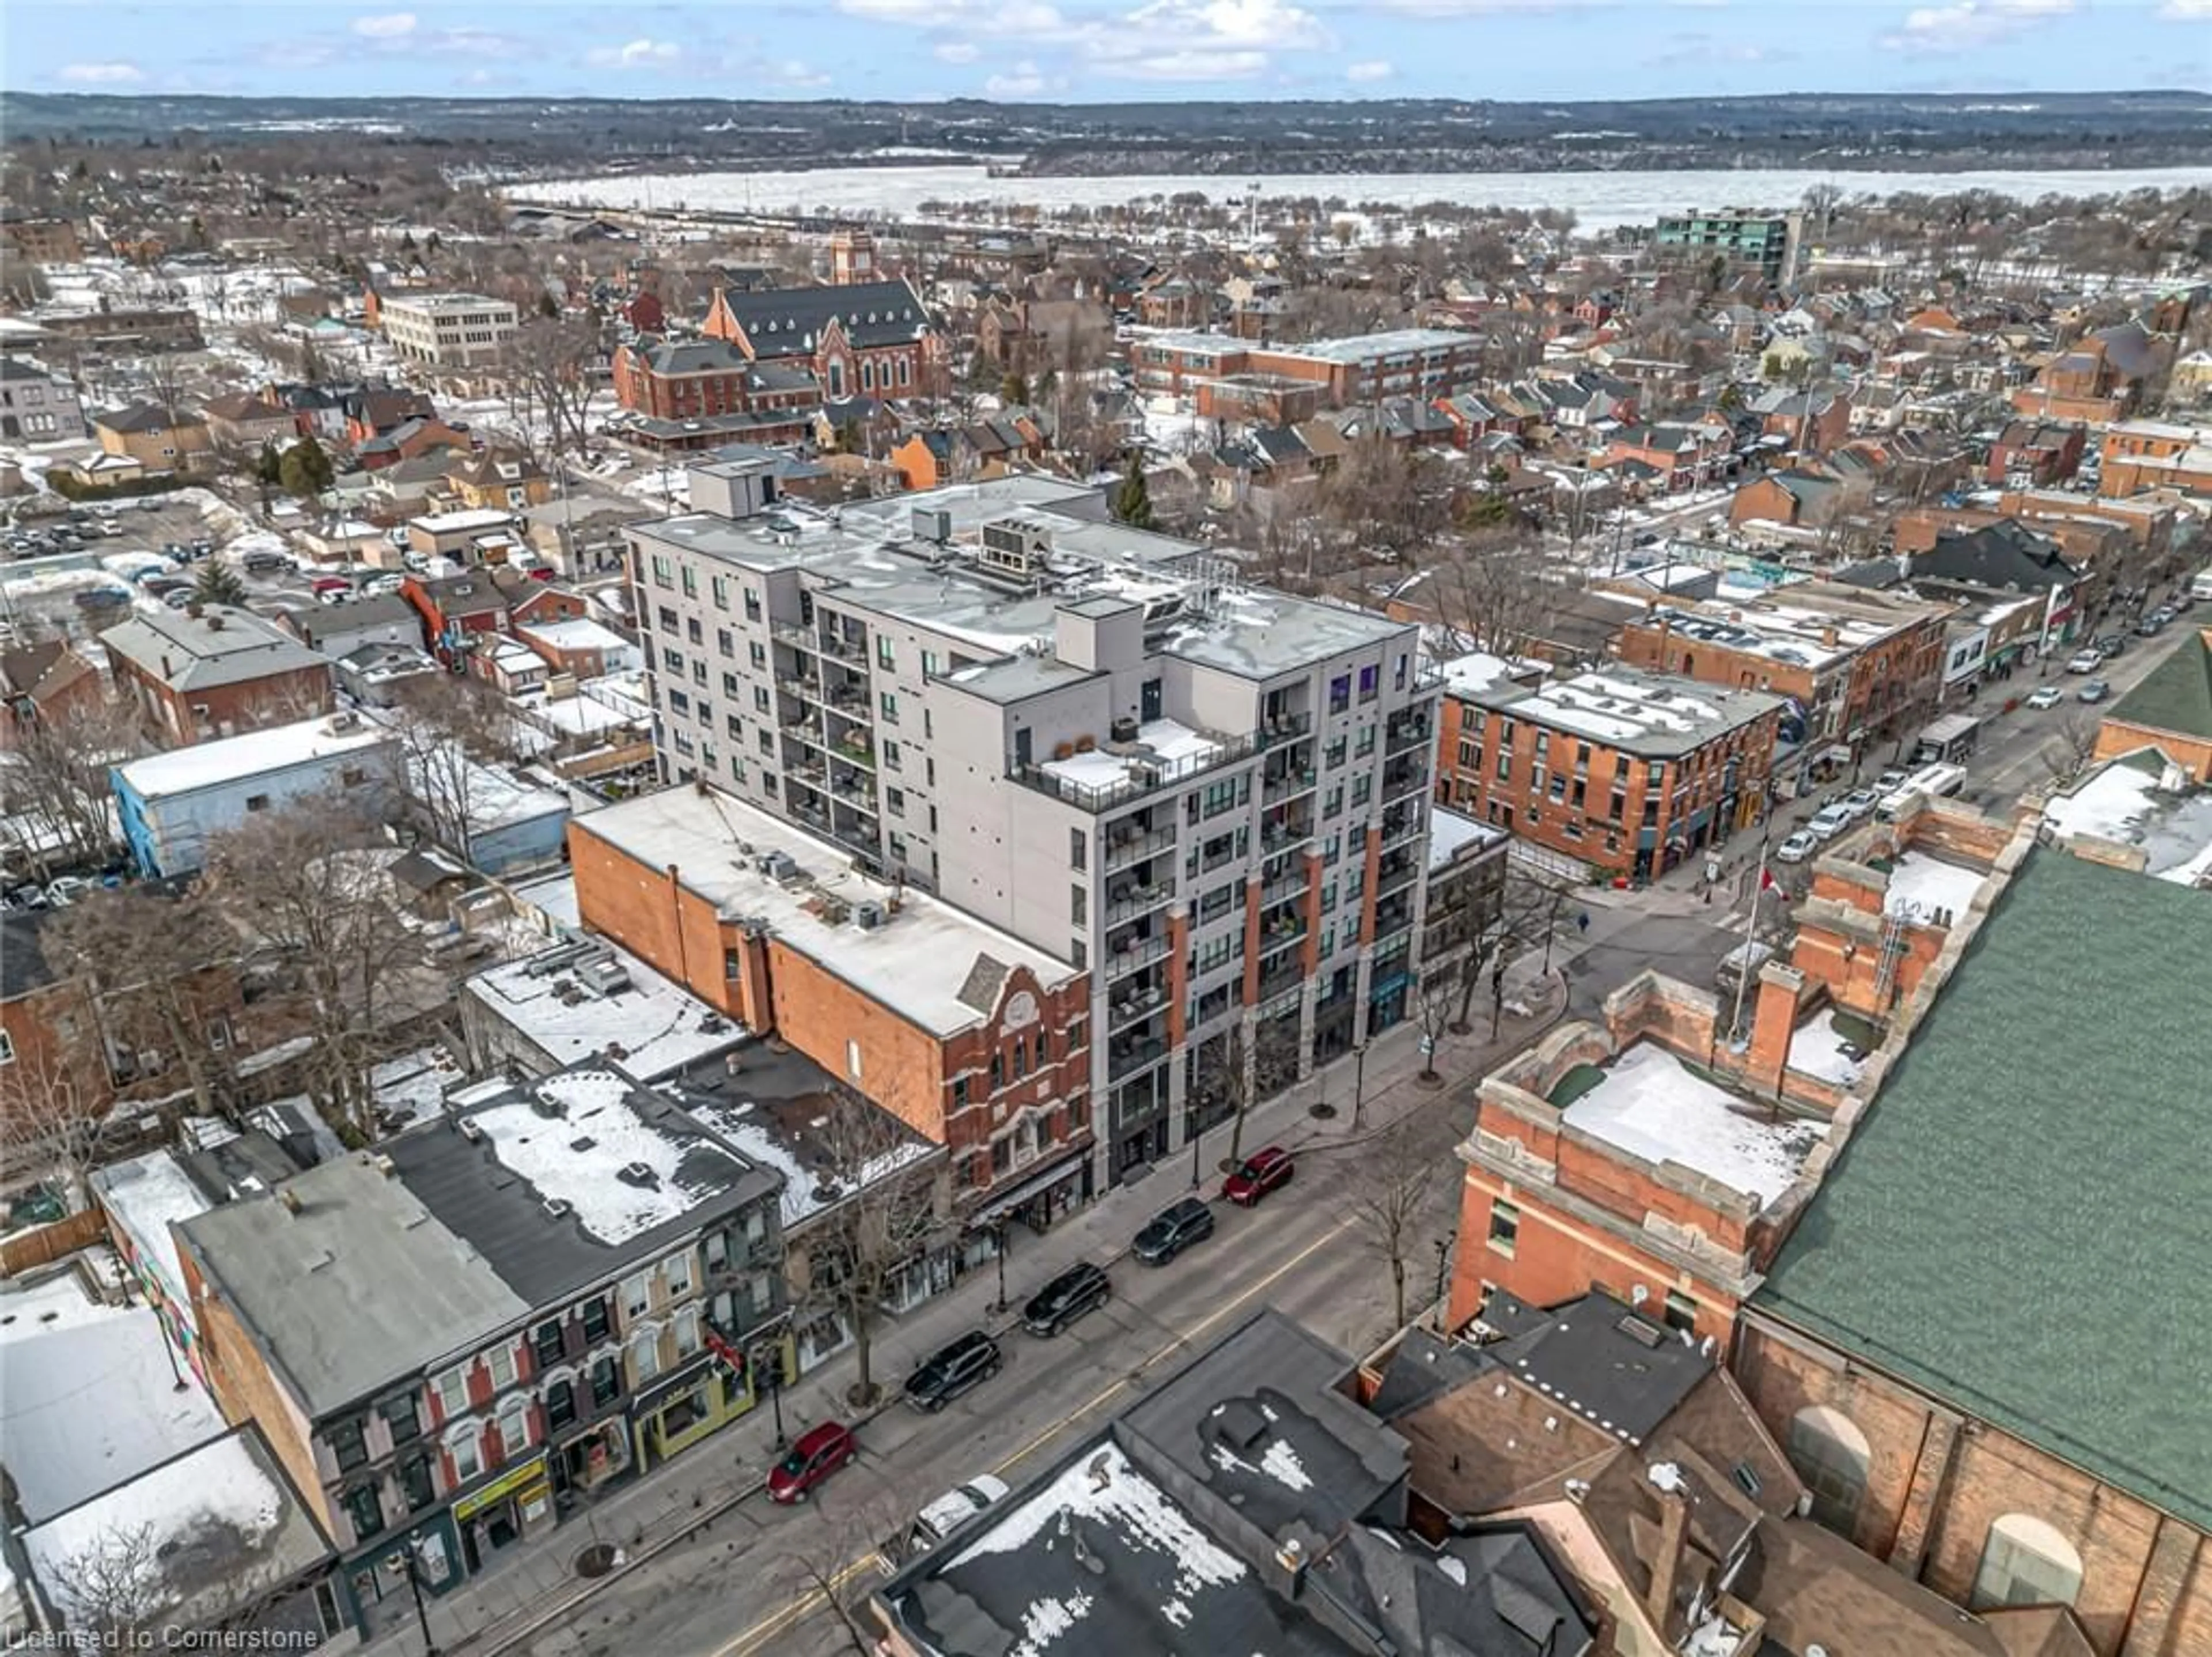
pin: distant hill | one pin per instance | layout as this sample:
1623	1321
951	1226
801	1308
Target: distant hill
1836	132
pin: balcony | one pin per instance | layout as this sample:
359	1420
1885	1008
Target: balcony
856	750
1401	825
1283	831
1124	1058
799	689
1143	773
1277	730
1405	775
1133	1004
1135	843
1393	915
1128	899
1428	672
1126	957
1287	783
1284	888
791	633
844	646
1396	872
1286	975
1404	732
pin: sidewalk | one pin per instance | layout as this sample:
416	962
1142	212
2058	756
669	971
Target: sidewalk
518	1599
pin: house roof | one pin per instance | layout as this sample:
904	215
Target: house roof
2003	555
790	321
2176	695
347	621
1965	1239
144	417
41	670
221	645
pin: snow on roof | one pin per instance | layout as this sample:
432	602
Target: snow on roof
1478	670
142	1196
553	895
2132	807
917	962
754	1131
188	1538
411	1087
87	1399
1920	885
1817	1049
577	633
622	1175
456	523
656	1026
1653	1107
1450	831
255	753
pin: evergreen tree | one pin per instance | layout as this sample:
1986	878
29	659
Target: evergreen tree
1014	389
1132	496
269	465
306	470
548	306
218	583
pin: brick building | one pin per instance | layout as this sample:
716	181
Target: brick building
214	670
1426	363
1624	771
708	379
1938	1343
856	339
1858	667
2035	453
49	680
975	1041
2170	710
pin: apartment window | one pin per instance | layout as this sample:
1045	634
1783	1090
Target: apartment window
767	743
889	753
2026	1561
453	1390
760	699
645	1359
364	1510
403	1415
606	1382
1332	803
732	685
416	1483
671	660
1655	775
679	701
1370	682
1078	848
690	581
348	1443
257	802
885	658
1363	789
676	1271
560	1406
960	1092
998	1071
1333	756
637	1295
719	587
726	641
1504	1226
665	619
752	604
757	654
687	1333
887	704
663	572
513	1429
1681	1310
1366	744
1504	768
734	728
699	670
1079	899
931	664
501	1362
896	843
693	632
1078	1033
895	802
1339	693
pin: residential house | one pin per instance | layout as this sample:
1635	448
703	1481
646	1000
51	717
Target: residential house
170	805
2035	453
1466	889
2084	383
157	439
40	238
50	681
582	648
2139	455
1795	498
456	610
1682	457
581	534
383	675
1031	336
984	448
411	440
338	630
374	412
2006	558
1426	363
706	380
214	671
481	1340
499	479
1808	422
244	422
471	536
37	406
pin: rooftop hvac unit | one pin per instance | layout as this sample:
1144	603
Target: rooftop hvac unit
933	523
779	866
1018	546
558	1208
471	1132
606	975
868	916
639	1174
346	722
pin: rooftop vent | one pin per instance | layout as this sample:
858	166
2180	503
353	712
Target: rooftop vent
558	1208
779	866
868	916
471	1132
548	1106
638	1174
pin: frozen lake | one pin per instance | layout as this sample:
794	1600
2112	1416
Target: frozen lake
1599	200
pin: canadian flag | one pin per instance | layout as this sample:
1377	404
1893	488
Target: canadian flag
1766	880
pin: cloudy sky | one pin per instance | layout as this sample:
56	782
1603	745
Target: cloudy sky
1090	50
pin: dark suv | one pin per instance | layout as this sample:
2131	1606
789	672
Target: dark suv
951	1370
1079	1289
1173	1230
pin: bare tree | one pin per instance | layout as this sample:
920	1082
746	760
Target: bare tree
1388	497
112	1586
1232	1072
1494	588
2072	743
53	1111
882	1219
546	363
129	1580
308	883
833	1567
60	807
1393	1180
451	727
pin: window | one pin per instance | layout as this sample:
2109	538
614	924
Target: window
364	1510
890	754
416	1484
1363	788
757	653
691	582
545	1343
452	1389
468	1456
884	656
645	1358
1504	1226
596	1323
637	1295
1078	848
888	706
1681	1310
687	1333
501	1362
348	1443
2026	1561
403	1415
760	699
719	587
1831	1456
1079	899
560	1406
514	1429
1339	693
693	633
606	1382
1371	683
257	802
895	802
677	1270
752	604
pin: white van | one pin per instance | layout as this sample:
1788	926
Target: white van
2200	586
942	1516
1930	782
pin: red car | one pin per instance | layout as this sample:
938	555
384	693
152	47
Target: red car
1263	1171
818	1453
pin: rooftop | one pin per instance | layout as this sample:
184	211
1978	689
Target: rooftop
222	1526
1964	1240
920	962
1804	624
1650	715
1451	832
221	645
1652	1105
344	1278
649	1024
253	753
2140	800
557	1183
56	1344
2176	695
142	1196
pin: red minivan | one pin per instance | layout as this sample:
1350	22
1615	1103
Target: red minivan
1263	1171
819	1452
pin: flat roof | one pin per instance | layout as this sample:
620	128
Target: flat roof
2129	802
649	1024
1652	1105
1451	831
142	1196
1921	886
1969	1238
1653	714
349	1282
252	754
922	962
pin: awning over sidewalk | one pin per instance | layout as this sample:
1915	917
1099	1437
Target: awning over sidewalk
1014	1196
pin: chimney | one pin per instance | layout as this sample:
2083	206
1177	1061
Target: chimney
1828	637
290	1199
1666	1566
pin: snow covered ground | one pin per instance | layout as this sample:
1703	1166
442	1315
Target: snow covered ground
1653	1105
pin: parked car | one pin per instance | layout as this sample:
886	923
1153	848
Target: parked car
1079	1289
2165	615
263	562
1263	1171
951	1370
323	584
1890	781
2095	690
1797	847
2049	697
2085	662
1859	803
2112	644
378	586
1827	823
1172	1230
818	1451
2149	627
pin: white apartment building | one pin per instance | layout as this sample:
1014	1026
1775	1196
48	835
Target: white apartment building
1215	797
447	330
36	407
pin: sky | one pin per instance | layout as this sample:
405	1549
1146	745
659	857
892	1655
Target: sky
1089	50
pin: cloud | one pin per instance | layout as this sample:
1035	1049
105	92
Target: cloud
2186	11
1967	25
794	76
1700	48
640	53
956	51
1375	69
390	25
1023	80
1188	64
108	74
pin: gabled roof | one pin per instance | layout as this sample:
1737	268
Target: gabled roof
145	418
41	670
221	645
2003	555
791	321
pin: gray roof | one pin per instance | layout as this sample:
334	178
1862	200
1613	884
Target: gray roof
789	321
361	1285
327	622
223	645
1970	1239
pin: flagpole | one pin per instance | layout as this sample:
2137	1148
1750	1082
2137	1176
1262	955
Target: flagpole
1750	934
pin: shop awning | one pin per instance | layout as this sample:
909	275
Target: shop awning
1036	1185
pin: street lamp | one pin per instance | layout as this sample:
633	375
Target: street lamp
767	1364
999	1248
1358	1081
411	1552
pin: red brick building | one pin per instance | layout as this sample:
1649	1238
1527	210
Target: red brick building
2035	453
976	1041
214	671
1423	362
702	379
857	339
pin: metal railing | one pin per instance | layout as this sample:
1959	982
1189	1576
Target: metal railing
1140	954
1288	786
1397	738
1124	1059
1138	846
1135	1009
1142	901
1147	776
1286	727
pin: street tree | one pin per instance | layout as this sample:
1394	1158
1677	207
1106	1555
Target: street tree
216	583
452	727
2067	750
547	365
883	1216
53	1115
1395	1179
1132	496
1233	1072
1387	499
308	884
1493	590
306	470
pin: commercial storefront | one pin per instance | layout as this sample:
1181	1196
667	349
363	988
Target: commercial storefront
697	1398
494	1517
377	1580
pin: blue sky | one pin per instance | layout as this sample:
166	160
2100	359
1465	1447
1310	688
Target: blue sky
1089	50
